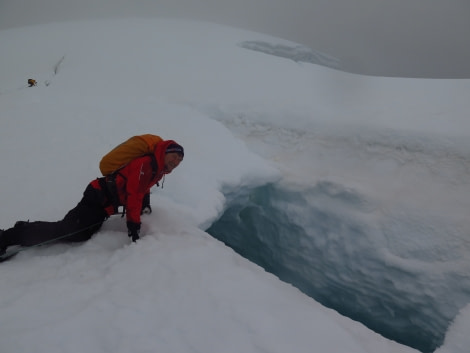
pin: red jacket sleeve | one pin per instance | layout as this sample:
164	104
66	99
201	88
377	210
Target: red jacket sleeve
137	178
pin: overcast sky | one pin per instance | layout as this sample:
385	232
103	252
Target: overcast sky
412	38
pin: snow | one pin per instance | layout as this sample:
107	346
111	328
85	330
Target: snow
245	119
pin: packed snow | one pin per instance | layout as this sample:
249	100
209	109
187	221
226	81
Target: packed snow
246	119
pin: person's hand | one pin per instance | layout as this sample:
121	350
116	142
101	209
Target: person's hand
133	231
146	209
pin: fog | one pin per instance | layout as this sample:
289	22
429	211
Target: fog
406	38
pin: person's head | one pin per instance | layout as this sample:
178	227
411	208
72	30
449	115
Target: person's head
174	154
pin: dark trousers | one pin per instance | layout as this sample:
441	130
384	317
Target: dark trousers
79	224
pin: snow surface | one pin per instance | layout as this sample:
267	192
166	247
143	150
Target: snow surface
245	119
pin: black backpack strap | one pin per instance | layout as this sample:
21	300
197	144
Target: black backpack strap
108	185
153	163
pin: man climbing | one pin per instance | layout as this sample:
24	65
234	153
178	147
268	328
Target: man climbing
128	187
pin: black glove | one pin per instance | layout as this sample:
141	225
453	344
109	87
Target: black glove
133	230
146	209
146	205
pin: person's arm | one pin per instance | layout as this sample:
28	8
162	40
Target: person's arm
138	177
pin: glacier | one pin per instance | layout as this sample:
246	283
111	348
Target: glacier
352	188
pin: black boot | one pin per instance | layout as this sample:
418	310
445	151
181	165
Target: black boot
3	246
